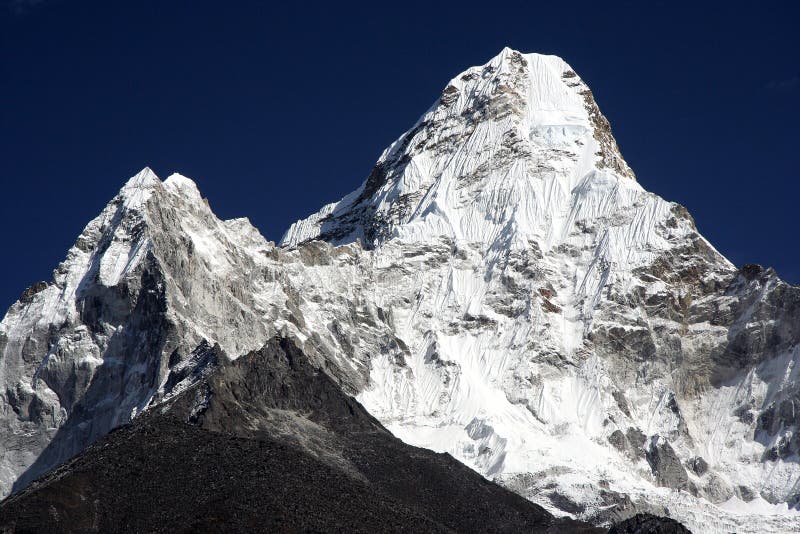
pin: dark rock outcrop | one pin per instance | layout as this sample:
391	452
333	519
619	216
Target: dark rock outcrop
267	443
665	464
648	524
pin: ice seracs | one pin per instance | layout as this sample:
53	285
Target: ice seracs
500	287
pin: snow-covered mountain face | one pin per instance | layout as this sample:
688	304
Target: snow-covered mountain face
500	288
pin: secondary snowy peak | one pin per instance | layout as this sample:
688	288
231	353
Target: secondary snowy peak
500	151
128	319
142	180
147	281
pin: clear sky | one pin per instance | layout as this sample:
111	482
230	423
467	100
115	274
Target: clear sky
277	110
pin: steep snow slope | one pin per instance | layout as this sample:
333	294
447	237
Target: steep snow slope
464	169
500	288
568	332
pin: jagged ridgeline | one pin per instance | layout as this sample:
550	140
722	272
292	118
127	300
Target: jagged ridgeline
500	288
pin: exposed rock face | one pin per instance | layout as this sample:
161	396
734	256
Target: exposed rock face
499	288
648	524
666	465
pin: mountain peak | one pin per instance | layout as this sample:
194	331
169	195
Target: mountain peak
180	184
143	179
545	91
483	160
138	189
511	54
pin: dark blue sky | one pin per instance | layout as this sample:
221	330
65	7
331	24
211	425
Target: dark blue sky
276	110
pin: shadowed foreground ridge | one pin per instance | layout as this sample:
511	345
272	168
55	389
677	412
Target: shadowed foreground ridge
648	524
267	443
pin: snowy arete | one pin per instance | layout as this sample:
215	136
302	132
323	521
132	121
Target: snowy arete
500	288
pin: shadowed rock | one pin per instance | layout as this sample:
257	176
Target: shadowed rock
267	443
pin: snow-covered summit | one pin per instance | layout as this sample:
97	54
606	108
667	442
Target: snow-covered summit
138	188
143	179
146	281
181	185
502	149
513	154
